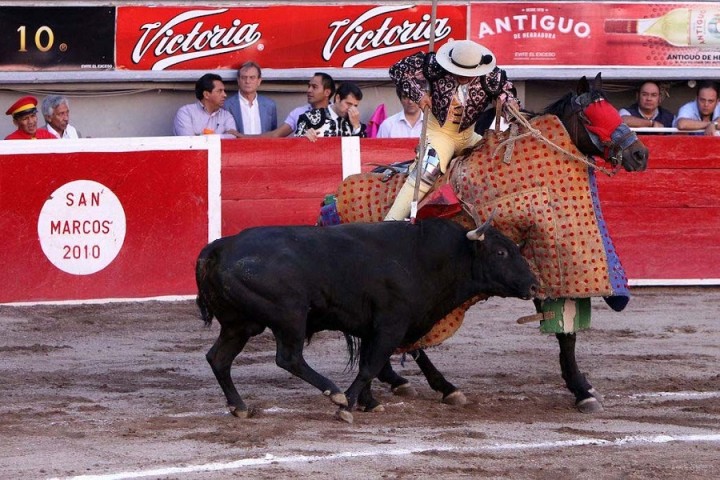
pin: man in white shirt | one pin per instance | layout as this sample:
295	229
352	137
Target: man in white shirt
254	114
56	111
407	123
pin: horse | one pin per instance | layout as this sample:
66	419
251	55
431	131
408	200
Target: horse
572	132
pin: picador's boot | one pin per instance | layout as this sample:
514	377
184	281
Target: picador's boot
400	209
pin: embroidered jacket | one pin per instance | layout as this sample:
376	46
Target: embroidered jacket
408	74
327	124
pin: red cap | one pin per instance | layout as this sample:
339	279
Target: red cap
23	106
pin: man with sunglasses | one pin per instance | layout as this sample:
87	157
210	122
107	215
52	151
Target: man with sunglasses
463	81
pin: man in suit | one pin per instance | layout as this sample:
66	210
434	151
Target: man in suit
254	114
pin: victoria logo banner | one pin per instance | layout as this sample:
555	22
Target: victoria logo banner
279	36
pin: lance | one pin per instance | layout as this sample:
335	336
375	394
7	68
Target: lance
422	147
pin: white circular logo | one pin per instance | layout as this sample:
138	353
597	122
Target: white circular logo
82	227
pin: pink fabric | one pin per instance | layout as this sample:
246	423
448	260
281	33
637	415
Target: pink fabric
604	119
374	123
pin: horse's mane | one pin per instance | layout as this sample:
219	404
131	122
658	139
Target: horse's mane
558	107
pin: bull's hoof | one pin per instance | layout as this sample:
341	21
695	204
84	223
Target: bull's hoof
589	405
237	412
404	390
455	398
338	399
344	415
598	396
376	409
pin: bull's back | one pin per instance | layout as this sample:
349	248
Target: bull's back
345	264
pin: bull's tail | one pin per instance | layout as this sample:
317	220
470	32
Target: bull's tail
353	346
205	312
205	262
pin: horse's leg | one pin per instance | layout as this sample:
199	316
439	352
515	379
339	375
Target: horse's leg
587	400
436	380
398	385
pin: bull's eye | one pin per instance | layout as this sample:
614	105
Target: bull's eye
502	252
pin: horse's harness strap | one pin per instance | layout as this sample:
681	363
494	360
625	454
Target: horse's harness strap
515	111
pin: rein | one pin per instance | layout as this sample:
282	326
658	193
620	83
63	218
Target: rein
535	133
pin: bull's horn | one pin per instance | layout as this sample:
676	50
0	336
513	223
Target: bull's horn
473	235
479	233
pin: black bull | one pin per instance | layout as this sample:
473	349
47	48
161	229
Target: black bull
384	283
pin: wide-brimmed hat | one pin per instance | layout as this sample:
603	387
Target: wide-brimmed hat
466	58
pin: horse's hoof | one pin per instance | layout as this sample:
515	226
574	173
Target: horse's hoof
455	398
589	405
236	412
598	396
344	415
339	399
404	390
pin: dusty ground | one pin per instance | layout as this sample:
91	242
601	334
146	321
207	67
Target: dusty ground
123	391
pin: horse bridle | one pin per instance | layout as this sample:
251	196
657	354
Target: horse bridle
620	138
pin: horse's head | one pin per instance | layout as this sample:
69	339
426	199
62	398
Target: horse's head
596	128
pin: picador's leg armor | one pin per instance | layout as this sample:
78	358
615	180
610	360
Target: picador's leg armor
400	209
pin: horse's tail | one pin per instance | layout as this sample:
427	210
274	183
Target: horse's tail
353	347
205	262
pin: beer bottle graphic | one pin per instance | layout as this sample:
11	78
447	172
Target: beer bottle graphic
681	27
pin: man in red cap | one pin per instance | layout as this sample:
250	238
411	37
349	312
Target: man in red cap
24	114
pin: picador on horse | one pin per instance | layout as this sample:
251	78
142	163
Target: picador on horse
538	176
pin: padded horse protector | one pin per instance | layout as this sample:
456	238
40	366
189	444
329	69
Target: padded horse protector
543	198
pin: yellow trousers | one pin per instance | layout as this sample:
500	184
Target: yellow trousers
448	141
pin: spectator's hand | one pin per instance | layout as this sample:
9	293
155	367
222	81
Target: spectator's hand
354	117
425	102
711	129
311	135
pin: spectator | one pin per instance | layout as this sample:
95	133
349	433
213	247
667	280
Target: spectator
646	111
464	81
254	114
56	110
206	116
340	119
703	112
24	116
407	123
320	90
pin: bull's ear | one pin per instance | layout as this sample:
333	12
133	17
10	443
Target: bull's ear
597	83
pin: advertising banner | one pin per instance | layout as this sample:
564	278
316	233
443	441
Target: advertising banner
541	34
57	38
279	36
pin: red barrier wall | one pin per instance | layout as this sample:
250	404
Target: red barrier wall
165	196
101	219
664	221
282	181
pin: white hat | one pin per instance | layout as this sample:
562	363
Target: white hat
466	58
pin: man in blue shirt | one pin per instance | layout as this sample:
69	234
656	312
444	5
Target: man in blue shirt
703	112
